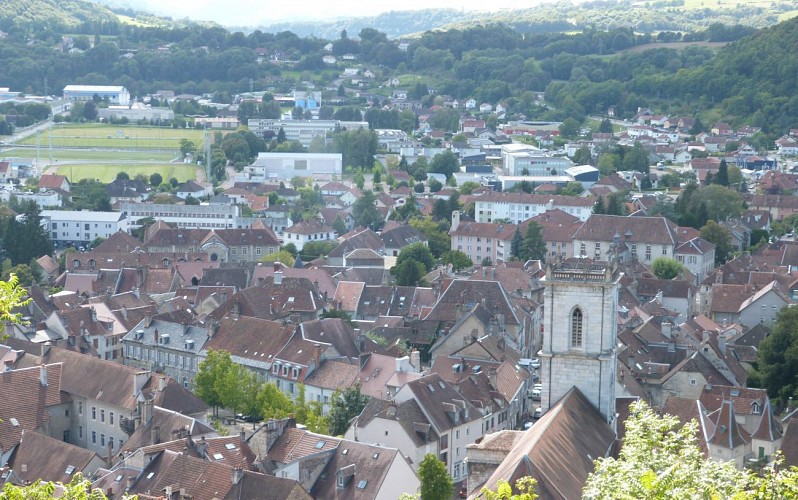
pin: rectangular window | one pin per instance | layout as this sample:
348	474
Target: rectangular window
111	418
93	437
576	328
102	439
102	415
94	413
80	407
80	431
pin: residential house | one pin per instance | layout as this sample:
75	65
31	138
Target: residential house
482	241
642	238
518	207
454	419
306	231
194	189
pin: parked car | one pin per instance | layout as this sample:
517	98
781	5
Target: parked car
538	412
535	394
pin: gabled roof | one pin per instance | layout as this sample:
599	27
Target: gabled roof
408	414
572	432
204	480
48	459
296	444
721	427
347	294
25	401
645	230
251	339
365	468
441	403
468	293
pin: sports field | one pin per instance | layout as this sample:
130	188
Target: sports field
106	172
92	155
107	136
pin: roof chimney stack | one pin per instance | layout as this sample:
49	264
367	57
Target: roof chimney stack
43	375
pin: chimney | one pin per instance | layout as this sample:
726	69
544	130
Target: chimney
147	321
46	348
155	435
317	354
242	435
455	219
276	266
7	365
146	412
185	327
722	342
667	329
43	375
161	384
415	359
131	480
93	315
238	473
155	336
278	277
123	311
704	335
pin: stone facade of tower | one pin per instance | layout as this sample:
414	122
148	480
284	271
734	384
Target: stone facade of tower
580	333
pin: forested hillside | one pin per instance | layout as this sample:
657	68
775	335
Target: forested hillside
751	81
51	14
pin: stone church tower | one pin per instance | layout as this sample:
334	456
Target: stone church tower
580	333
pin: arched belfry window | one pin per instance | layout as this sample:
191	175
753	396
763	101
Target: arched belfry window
577	325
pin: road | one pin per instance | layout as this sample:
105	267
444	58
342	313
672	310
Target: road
27	132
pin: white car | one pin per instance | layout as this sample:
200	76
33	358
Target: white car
534	363
538	412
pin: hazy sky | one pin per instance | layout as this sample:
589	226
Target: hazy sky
264	12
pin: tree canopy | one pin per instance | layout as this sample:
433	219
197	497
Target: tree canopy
436	483
344	406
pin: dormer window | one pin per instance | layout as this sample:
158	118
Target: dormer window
276	368
295	372
756	409
285	370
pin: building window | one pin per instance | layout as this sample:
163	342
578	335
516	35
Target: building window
576	328
80	407
111	443
111	418
93	437
94	413
102	439
80	431
648	252
102	415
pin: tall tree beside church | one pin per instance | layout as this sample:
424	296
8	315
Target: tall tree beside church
533	242
517	249
722	178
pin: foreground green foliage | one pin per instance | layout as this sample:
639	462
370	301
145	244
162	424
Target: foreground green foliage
436	483
660	459
78	489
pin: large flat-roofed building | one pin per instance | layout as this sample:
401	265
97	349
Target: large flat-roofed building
286	166
303	131
116	94
518	207
184	216
79	228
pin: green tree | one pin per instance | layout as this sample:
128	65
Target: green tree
418	252
444	163
365	212
156	179
605	127
273	403
436	483
718	236
409	272
283	256
721	202
315	249
459	260
517	248
778	356
339	314
359	179
468	187
599	207
339	225
525	487
435	185
569	128
666	268
210	378
187	147
659	459
122	176
722	178
437	234
534	244
583	156
344	406
12	299
79	488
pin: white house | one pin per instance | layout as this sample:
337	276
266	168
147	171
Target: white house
78	228
307	231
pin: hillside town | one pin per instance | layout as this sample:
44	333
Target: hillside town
497	298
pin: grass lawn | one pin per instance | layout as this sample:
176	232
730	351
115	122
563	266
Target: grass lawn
107	172
88	155
115	136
